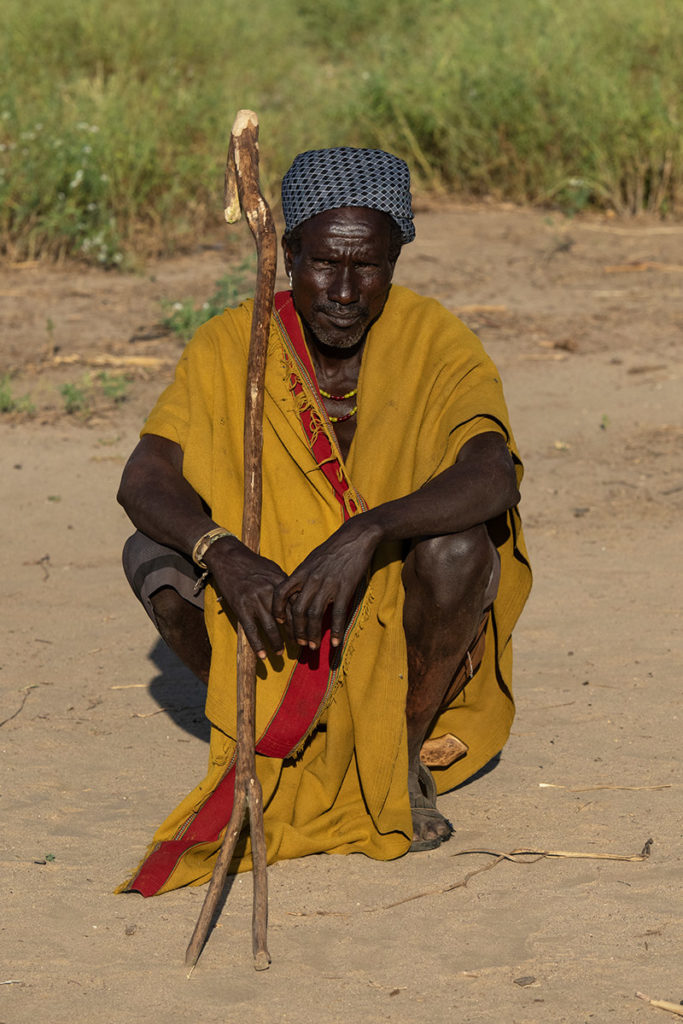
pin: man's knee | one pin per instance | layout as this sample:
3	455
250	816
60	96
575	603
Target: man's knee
446	567
162	579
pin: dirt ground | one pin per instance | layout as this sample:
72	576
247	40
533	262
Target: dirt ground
102	730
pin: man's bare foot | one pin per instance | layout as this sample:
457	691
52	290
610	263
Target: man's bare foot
430	828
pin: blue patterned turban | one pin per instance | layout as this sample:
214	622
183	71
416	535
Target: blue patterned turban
327	179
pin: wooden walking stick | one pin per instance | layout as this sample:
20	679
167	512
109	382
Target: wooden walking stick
242	188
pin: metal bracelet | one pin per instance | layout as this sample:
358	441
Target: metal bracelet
205	542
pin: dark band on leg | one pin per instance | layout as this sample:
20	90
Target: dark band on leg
149	566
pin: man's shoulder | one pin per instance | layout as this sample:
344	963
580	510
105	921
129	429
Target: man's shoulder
421	314
402	297
404	301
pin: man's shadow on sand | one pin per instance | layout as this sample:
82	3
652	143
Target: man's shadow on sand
181	695
178	692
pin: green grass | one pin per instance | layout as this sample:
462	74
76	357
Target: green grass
83	397
114	386
183	317
80	398
77	397
9	402
114	116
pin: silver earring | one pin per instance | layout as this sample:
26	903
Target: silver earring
289	275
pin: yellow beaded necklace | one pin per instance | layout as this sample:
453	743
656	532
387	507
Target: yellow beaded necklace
340	419
338	398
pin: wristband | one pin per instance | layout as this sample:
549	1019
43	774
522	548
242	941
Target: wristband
205	542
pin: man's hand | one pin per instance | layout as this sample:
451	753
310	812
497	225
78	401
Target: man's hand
247	583
328	577
478	487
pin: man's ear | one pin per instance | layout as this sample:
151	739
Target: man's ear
287	253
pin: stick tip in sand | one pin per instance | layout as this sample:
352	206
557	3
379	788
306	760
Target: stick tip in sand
261	960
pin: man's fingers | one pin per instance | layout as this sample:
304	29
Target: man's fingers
306	630
272	634
299	622
254	639
339	617
303	609
285	605
290	621
257	625
281	597
308	614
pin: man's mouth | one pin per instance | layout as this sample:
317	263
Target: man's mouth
337	327
343	319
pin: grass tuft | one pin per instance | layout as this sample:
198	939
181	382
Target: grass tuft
114	386
183	317
10	403
77	397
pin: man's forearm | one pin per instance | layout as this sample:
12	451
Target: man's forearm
478	487
158	499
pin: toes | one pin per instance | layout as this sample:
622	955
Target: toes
431	827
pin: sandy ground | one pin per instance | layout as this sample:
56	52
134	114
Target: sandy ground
102	730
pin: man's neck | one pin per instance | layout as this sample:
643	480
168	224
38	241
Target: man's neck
332	364
336	372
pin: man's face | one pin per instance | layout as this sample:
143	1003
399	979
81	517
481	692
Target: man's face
341	273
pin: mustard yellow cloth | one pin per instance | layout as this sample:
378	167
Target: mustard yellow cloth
426	387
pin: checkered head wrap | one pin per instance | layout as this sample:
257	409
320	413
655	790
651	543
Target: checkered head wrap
327	179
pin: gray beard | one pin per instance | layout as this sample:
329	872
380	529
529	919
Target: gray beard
332	340
329	336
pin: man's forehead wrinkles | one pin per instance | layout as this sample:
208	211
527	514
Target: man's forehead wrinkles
343	246
353	229
359	234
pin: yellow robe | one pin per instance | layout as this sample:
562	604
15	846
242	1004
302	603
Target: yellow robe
426	387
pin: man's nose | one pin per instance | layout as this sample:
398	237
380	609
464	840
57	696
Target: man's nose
343	287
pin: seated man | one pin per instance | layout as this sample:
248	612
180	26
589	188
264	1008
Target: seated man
392	566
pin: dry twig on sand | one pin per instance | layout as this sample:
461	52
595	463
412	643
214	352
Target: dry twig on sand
27	690
539	854
146	362
631	268
594	789
513	856
662	1004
